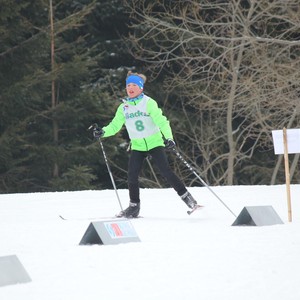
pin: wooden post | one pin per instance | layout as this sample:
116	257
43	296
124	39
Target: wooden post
287	174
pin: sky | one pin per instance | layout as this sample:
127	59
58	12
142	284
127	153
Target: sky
177	256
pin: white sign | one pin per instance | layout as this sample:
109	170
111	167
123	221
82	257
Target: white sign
293	141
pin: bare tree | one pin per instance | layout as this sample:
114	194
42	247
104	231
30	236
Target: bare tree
233	69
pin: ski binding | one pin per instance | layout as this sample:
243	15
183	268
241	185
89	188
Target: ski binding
198	206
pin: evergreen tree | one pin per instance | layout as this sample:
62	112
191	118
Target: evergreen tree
90	66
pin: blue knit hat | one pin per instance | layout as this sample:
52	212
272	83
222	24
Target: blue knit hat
136	80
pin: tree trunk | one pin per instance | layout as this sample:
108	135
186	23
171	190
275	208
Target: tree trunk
53	97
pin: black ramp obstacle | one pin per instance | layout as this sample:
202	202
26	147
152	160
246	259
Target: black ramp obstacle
110	232
12	271
257	216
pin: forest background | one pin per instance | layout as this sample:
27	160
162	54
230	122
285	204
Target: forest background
225	73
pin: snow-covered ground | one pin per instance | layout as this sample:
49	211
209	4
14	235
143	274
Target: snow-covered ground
179	257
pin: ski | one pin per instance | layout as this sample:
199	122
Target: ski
198	206
85	218
94	218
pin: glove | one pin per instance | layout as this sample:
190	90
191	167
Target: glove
98	132
170	144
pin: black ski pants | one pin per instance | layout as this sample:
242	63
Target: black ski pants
135	164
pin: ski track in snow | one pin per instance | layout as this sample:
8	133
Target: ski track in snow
200	256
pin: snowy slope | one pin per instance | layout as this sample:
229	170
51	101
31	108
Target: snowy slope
179	257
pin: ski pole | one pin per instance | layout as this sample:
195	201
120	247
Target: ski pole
202	181
108	167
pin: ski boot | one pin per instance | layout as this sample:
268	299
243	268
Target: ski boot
132	211
189	200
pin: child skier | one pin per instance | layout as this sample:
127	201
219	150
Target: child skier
150	133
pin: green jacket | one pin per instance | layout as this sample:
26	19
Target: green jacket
158	122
